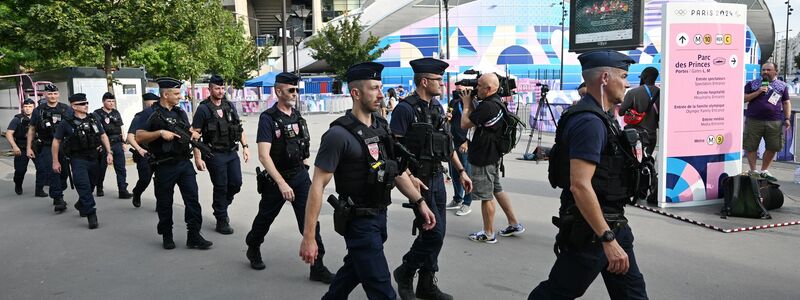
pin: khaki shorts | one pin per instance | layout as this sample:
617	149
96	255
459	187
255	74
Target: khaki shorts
485	182
770	131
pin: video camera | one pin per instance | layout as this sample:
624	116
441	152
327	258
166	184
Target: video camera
507	85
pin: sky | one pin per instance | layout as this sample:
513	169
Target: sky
778	10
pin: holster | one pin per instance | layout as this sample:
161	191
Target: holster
343	213
36	146
263	181
574	233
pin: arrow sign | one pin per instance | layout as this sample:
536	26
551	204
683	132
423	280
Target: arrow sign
682	39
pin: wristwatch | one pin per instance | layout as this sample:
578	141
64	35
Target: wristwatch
607	236
245	146
419	200
460	171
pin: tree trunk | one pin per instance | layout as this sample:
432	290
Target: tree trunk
107	68
190	95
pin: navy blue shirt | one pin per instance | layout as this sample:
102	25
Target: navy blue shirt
132	129
266	126
585	135
338	145
403	116
65	130
459	135
14	123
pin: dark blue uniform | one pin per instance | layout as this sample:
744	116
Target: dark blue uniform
19	124
112	123
296	176
225	168
45	127
365	262
424	253
84	164
459	137
142	164
178	170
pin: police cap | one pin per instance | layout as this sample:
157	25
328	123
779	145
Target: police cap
79	97
28	101
168	83
50	88
605	58
150	97
287	78
108	95
363	71
428	65
216	80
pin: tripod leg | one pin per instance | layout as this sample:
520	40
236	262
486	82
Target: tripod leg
534	126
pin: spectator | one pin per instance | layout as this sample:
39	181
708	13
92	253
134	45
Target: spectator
582	89
640	99
391	101
401	94
461	200
767	116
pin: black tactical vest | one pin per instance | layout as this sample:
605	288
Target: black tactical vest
21	132
112	123
291	147
427	137
612	177
223	130
50	118
368	181
161	148
85	139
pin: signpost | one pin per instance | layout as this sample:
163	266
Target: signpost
702	100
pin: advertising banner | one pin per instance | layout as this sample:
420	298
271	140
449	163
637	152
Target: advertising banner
702	101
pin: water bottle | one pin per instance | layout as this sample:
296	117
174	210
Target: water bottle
797	175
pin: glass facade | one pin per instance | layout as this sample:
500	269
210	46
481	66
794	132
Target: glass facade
334	8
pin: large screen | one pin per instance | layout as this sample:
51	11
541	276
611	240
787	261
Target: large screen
606	24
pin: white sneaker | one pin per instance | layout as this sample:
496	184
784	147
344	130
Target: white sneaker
454	204
463	210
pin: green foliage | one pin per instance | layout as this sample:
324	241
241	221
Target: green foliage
341	45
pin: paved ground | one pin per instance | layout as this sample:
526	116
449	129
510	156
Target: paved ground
49	256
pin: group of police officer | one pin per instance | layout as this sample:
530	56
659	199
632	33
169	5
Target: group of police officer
364	154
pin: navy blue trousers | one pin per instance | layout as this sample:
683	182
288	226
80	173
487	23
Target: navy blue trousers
225	170
182	174
145	175
575	269
365	262
118	153
21	166
424	253
84	174
44	166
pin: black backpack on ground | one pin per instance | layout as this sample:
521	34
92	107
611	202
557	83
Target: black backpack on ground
771	194
742	198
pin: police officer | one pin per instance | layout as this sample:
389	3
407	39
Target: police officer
157	127
358	152
221	128
15	134
418	121
44	121
82	135
283	147
588	163
140	153
112	123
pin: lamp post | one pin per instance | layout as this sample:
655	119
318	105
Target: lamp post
282	18
563	20
447	43
789	10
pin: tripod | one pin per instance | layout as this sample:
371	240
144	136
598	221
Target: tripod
536	120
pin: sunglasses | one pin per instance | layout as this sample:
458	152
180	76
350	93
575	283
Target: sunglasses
81	103
293	90
434	79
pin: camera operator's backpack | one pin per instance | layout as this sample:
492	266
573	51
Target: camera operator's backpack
510	131
742	198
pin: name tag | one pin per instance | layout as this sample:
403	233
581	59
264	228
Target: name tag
774	98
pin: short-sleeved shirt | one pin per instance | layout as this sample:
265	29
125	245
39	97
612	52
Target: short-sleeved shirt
338	145
585	134
266	126
15	121
639	99
204	113
760	107
132	129
65	129
36	116
487	118
142	123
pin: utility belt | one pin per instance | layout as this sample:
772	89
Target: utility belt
264	181
138	158
113	139
223	149
574	233
156	161
345	210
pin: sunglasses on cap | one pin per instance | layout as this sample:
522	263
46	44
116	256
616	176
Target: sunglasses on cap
80	103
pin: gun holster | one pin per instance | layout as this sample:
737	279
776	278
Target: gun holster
263	180
575	233
343	213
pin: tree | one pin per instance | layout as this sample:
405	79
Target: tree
341	45
797	61
235	55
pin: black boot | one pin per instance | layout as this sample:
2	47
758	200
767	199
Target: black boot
100	192
59	205
196	241
137	200
404	276
18	186
254	256
78	207
167	242
124	194
427	288
320	273
92	221
224	226
40	192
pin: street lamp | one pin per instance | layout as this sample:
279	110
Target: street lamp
789	10
282	18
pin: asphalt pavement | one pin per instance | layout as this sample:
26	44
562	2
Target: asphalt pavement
54	256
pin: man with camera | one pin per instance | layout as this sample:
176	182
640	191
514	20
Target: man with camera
590	163
483	154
